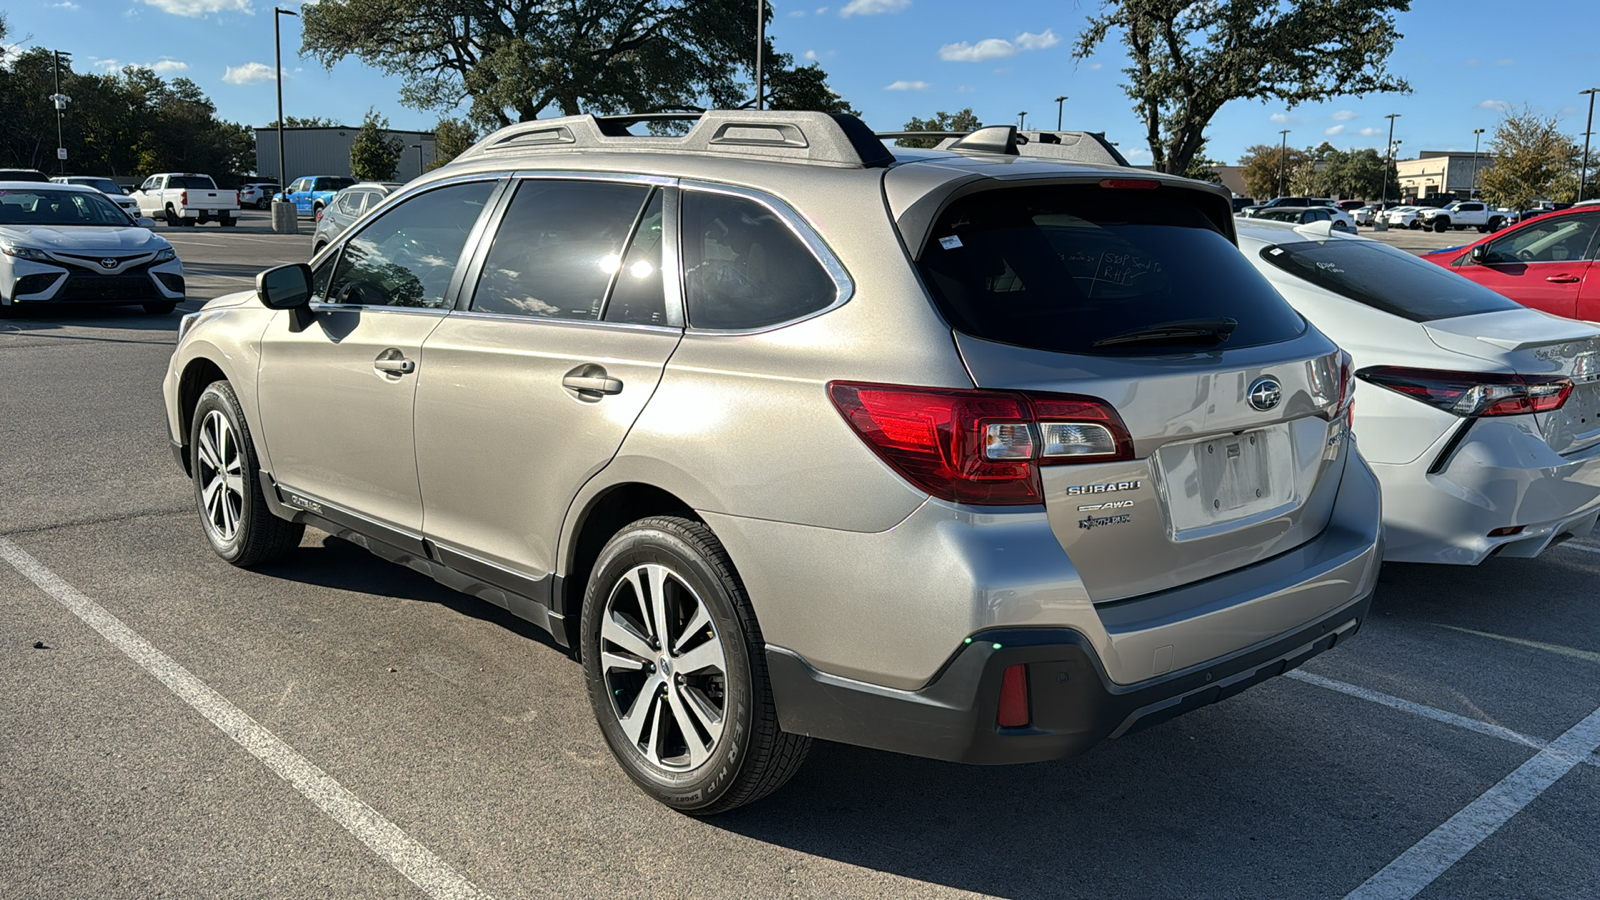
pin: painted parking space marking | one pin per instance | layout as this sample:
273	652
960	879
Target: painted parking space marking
1574	545
1418	867
1558	649
434	876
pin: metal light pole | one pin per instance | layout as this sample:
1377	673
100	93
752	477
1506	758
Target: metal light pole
60	101
1021	118
1283	151
1588	129
1389	156
761	47
1060	101
1472	192
277	74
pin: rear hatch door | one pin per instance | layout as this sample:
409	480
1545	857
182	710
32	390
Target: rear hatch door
1237	438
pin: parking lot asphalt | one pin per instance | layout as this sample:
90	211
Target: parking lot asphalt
336	726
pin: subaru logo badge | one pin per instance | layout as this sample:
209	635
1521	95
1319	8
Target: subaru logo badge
1265	393
110	263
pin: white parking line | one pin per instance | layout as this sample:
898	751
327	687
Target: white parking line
1574	545
1443	847
434	876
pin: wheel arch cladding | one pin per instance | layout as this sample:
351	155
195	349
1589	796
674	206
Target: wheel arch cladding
197	375
608	513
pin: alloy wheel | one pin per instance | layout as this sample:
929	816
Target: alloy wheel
664	668
220	474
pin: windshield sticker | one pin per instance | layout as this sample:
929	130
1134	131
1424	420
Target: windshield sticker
1330	267
950	242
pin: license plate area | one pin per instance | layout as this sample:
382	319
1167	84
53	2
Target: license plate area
1221	481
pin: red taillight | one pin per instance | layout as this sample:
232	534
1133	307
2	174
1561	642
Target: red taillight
1136	184
1013	711
183	199
979	447
1473	394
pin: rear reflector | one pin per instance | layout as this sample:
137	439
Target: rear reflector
1507	530
1013	698
980	447
1473	394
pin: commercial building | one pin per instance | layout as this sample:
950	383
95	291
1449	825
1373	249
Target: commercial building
326	151
1441	172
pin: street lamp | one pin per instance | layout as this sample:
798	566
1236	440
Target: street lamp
1021	118
60	100
1389	160
418	148
1472	192
761	47
1060	101
1588	129
1283	150
277	74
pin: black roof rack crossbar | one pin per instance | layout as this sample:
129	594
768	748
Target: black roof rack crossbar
792	136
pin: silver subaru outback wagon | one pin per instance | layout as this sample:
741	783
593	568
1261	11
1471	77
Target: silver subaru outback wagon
978	454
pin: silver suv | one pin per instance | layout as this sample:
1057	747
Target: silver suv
969	454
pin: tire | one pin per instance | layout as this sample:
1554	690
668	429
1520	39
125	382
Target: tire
316	212
749	756
317	247
172	218
164	308
263	204
1496	224
1483	229
1415	224
1441	225
257	536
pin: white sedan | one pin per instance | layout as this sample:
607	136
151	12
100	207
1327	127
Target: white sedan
1481	417
1404	217
64	243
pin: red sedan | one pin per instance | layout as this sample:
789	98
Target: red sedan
1548	263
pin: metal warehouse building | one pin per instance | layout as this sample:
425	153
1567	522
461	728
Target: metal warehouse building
326	151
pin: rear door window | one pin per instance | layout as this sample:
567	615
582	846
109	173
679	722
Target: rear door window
559	248
1062	268
744	267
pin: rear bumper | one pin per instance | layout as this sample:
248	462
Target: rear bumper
1073	703
1498	475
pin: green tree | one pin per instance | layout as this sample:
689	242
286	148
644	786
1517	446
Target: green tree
375	154
1261	168
1201	167
1533	160
451	138
962	120
1191	57
1353	174
804	88
516	59
308	122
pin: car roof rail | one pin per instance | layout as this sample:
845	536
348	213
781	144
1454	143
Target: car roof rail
1068	146
781	135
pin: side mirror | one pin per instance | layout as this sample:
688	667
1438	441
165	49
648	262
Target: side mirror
287	287
145	222
1480	253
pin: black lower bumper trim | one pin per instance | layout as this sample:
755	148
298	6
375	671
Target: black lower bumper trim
1074	704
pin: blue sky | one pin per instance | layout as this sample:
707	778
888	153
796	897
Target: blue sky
893	59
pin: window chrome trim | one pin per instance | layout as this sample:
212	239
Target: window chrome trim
581	323
319	306
844	287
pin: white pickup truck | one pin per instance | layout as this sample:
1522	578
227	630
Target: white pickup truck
1464	214
182	198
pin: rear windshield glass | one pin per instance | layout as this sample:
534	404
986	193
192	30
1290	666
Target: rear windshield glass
1060	268
192	182
1385	278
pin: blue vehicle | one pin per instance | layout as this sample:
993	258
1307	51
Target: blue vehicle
311	194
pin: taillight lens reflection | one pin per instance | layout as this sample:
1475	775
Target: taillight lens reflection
1473	394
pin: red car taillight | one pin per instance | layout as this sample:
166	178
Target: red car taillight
980	447
1473	394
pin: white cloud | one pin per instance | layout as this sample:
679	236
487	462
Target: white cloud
797	14
1369	131
1474	62
903	85
194	8
1136	153
965	89
1505	62
9	53
67	5
822	10
982	51
1283	118
249	73
997	48
1495	105
1345	115
107	65
166	65
1029	41
1094	67
811	55
870	7
1336	129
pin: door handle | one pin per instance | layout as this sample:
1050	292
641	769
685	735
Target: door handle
594	384
1562	279
394	365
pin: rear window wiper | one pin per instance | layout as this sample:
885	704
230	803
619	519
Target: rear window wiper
1218	329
